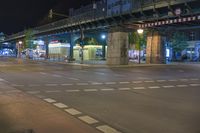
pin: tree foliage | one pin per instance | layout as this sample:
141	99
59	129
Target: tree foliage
87	41
178	42
138	40
28	40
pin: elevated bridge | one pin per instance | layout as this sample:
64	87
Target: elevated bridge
145	14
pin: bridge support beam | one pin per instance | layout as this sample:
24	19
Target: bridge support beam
117	52
155	48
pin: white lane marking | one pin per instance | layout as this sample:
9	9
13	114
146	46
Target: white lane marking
124	89
53	91
15	85
96	83
33	92
109	89
107	129
72	90
57	76
13	91
88	119
51	84
33	85
194	85
1	80
82	84
184	79
60	105
90	90
149	81
182	85
194	79
49	100
110	83
66	84
137	82
73	111
124	82
161	80
139	88
74	79
43	73
99	73
154	87
168	86
172	80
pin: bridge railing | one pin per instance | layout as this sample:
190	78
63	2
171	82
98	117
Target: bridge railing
87	16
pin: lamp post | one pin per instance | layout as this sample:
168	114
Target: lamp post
18	49
103	37
140	32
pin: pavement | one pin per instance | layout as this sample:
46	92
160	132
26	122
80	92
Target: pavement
22	113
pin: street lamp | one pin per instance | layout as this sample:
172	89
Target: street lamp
18	47
103	37
140	32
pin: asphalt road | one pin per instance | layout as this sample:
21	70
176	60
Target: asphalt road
149	99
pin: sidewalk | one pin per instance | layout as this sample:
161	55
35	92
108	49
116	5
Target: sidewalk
22	113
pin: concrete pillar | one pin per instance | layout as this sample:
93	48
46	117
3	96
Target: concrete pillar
46	42
117	52
155	48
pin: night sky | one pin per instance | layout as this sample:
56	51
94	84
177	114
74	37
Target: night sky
17	15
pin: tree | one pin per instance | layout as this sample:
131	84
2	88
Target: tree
178	43
28	43
139	41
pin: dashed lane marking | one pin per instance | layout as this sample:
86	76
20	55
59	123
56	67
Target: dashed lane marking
194	85
124	89
88	119
110	83
90	90
57	76
161	80
2	80
33	85
182	86
53	91
74	79
109	89
99	73
13	91
72	90
139	88
107	129
81	84
73	111
172	80
149	81
124	82
51	84
154	87
183	79
96	83
49	100
33	92
66	84
60	105
168	86
194	79
137	82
